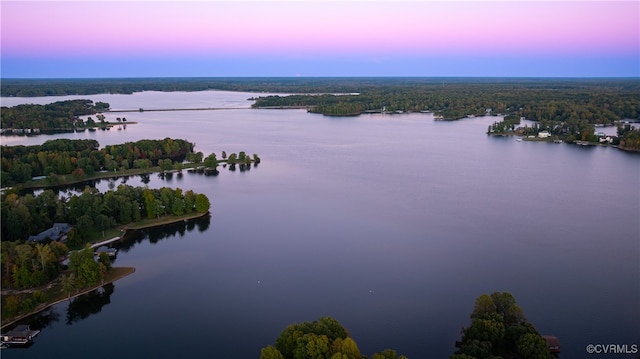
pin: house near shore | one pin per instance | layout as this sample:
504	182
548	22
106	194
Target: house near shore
605	139
57	232
544	134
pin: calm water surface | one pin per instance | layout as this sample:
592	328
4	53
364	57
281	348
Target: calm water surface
391	224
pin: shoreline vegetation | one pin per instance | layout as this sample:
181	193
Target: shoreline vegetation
66	180
56	295
54	291
66	230
569	108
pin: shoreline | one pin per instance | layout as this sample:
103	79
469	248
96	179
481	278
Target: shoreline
129	270
44	306
161	222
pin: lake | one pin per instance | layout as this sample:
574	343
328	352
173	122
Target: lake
392	224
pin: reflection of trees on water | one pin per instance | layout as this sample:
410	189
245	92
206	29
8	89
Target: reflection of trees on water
145	178
40	320
91	303
156	234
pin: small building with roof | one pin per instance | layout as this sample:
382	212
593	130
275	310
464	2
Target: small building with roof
57	232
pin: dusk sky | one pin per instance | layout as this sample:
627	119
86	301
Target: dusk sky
55	39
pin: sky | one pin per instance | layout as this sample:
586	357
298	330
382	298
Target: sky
74	39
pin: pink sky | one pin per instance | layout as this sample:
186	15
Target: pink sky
311	30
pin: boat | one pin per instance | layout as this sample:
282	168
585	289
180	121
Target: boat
111	252
20	335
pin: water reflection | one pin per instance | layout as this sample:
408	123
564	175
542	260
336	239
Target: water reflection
79	308
85	305
156	234
37	321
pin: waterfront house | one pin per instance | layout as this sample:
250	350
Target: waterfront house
544	134
58	232
605	139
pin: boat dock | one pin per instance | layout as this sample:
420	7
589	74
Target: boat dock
96	245
20	335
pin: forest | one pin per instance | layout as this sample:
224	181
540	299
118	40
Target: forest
92	210
82	158
29	265
594	102
569	108
498	329
56	116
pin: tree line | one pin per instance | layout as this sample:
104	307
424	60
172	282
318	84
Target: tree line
92	211
596	102
61	115
323	338
27	266
82	158
498	329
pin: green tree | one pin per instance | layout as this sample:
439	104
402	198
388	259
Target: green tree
103	222
202	203
499	328
105	260
270	352
347	348
211	161
532	346
68	283
84	267
44	255
85	226
389	354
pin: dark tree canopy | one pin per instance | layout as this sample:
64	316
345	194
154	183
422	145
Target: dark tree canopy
61	115
320	339
499	329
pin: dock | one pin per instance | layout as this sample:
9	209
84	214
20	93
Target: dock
96	245
20	335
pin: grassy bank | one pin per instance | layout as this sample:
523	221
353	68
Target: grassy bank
152	222
64	180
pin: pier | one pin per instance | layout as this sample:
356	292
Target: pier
96	245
